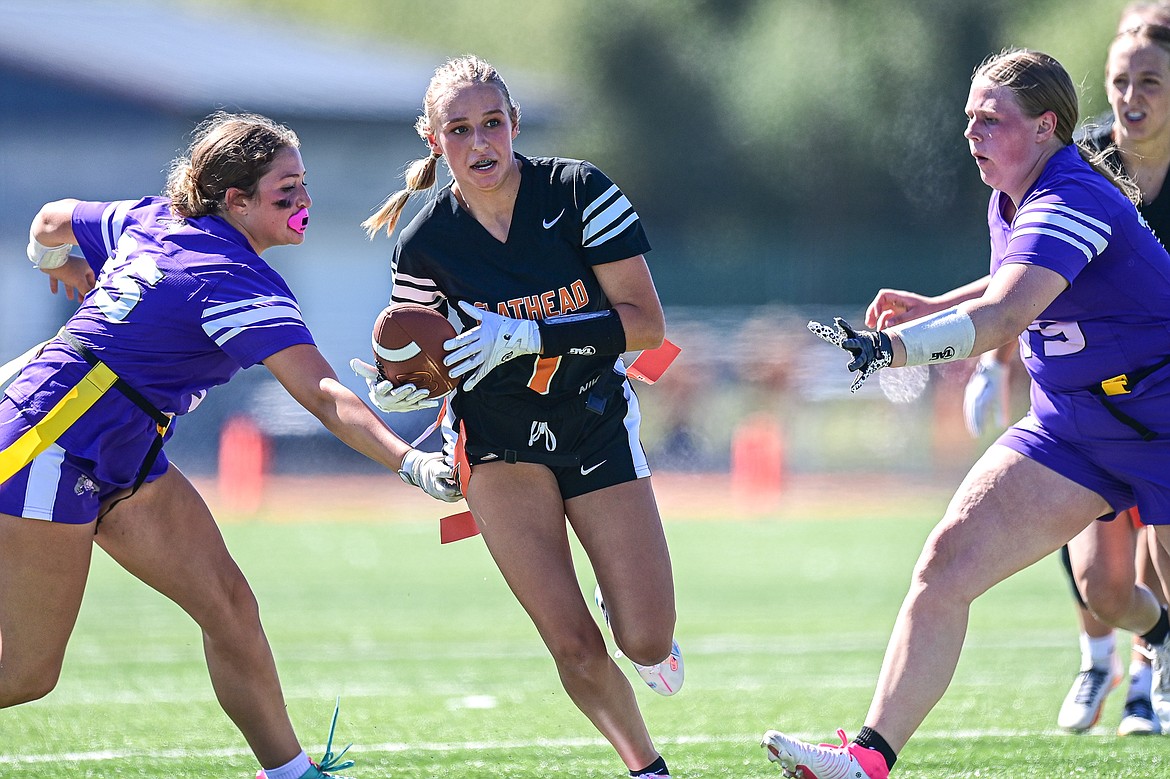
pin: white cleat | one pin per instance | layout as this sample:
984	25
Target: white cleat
664	678
1086	698
1160	689
802	760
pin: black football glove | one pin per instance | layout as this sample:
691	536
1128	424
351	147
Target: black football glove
871	349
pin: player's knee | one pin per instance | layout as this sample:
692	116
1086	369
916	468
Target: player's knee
646	643
1108	599
649	651
233	609
579	654
942	571
17	688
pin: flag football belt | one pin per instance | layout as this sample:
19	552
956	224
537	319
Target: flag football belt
479	452
1123	384
162	422
595	401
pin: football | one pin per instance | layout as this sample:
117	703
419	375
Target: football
408	347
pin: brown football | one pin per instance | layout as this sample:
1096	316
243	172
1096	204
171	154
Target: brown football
408	347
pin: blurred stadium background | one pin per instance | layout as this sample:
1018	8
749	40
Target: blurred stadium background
787	158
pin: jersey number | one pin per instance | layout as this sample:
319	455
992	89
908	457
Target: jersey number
1056	339
122	281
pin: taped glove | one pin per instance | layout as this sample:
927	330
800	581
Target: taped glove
871	349
386	396
495	340
984	395
430	472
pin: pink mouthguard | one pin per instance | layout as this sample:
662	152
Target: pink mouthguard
299	221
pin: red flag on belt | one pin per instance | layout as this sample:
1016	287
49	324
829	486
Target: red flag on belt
652	363
462	525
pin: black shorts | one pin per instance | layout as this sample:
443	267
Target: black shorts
585	450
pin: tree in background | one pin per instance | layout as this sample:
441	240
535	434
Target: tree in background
810	132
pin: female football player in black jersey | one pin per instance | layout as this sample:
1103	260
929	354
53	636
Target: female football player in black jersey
538	262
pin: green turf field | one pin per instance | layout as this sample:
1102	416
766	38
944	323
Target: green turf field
782	624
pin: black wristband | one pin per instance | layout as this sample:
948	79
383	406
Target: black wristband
597	332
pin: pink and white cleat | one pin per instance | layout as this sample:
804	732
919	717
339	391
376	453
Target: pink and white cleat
801	760
665	678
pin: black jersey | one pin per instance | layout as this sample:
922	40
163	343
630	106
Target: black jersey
1157	211
568	217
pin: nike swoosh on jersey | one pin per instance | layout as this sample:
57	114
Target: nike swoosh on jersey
548	223
586	471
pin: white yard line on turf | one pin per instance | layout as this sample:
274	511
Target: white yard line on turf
473	746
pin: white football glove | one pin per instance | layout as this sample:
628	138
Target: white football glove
495	340
985	395
386	396
430	472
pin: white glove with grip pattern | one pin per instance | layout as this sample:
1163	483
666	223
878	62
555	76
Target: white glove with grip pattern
386	396
495	340
984	395
430	472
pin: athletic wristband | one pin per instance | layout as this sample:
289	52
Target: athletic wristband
942	337
47	257
598	332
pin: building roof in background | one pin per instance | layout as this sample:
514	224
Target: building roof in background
183	60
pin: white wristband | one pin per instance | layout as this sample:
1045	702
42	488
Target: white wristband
47	257
942	337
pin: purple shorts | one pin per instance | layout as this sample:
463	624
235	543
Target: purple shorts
1125	471
95	458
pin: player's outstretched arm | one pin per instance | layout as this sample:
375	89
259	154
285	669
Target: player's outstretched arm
309	378
896	306
1013	298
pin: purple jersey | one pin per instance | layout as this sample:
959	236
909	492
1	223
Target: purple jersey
180	306
1114	316
1112	319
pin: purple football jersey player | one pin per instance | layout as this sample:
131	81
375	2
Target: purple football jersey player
1083	283
177	300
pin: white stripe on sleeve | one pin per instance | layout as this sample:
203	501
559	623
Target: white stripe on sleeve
113	223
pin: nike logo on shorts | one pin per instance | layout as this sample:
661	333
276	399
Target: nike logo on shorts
586	471
548	223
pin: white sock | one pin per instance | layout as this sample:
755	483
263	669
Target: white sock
293	769
1097	652
1141	681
